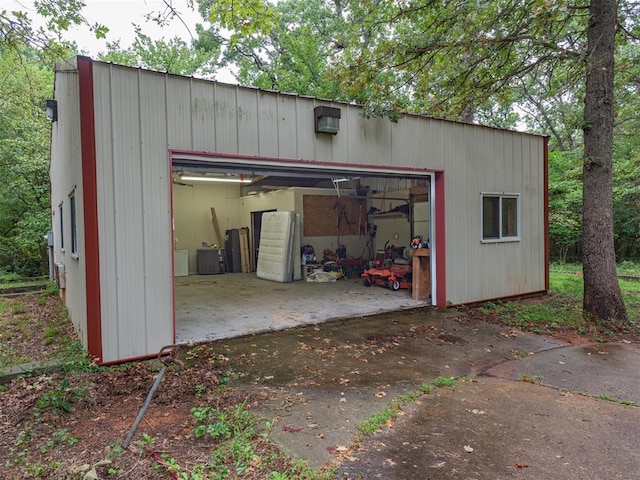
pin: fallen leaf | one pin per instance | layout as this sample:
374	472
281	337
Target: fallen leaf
468	449
521	465
380	394
286	428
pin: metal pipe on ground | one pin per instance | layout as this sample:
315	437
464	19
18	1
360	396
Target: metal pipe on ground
167	356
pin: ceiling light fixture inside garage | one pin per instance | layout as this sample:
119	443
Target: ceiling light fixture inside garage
188	178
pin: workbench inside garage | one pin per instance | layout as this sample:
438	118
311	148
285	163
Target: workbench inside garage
421	273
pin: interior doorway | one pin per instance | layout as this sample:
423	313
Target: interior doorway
256	228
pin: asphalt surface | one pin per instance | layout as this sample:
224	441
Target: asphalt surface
523	406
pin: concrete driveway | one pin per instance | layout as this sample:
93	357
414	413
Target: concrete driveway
323	381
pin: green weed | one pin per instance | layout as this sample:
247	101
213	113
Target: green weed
426	389
444	381
60	399
18	308
377	421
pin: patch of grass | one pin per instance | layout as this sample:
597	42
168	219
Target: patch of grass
560	310
444	381
237	447
377	421
631	295
426	389
628	267
380	419
18	308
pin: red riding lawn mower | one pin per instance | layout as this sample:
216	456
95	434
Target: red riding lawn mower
387	273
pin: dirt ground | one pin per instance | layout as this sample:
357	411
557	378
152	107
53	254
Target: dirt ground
313	385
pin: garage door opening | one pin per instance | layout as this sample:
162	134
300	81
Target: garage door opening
350	219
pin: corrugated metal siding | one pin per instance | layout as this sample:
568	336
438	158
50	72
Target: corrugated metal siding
134	210
140	114
66	175
500	162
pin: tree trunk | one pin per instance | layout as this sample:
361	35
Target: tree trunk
602	296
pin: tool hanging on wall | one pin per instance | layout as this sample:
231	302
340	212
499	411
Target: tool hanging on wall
340	213
216	227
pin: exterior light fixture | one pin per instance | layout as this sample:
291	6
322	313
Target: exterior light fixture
327	119
215	179
52	110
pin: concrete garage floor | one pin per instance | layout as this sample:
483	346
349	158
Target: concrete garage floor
212	307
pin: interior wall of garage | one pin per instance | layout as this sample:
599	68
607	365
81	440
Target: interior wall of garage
192	217
193	226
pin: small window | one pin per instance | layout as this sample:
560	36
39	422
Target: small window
61	224
74	229
500	217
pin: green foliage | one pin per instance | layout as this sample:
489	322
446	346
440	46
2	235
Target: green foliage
17	27
224	424
242	18
444	381
457	58
565	205
25	83
59	400
292	55
377	421
172	56
561	309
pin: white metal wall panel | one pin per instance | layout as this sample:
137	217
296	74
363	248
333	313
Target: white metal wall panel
134	211
203	116
66	174
247	121
109	306
267	124
126	197
287	127
178	98
156	216
226	118
305	124
504	162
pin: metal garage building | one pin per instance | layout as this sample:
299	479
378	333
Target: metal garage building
123	138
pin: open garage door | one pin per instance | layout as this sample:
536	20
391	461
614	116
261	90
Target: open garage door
362	214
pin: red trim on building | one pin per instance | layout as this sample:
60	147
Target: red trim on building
547	256
173	246
440	242
91	252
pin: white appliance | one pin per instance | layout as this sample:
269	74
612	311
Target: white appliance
181	263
